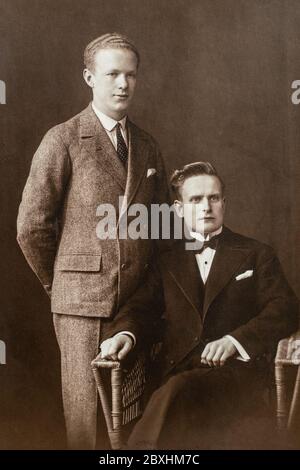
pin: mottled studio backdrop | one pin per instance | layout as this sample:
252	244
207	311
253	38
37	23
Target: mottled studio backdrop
214	84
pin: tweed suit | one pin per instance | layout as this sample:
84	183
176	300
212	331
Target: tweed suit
73	172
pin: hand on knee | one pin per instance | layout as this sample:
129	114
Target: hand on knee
217	352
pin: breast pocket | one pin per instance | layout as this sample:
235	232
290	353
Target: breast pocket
244	289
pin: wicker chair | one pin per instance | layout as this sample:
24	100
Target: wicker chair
122	401
287	377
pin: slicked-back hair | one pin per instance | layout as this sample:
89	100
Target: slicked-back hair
193	169
107	41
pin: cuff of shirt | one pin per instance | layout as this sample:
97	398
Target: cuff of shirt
128	334
244	356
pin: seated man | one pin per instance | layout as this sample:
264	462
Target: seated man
226	306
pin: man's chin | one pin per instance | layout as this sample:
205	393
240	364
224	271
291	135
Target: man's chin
121	109
122	104
117	113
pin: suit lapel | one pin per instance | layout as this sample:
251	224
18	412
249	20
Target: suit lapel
229	256
96	141
137	161
182	266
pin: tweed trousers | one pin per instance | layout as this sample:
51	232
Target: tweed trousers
78	339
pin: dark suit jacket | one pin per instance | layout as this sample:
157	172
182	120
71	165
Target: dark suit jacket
74	170
194	406
258	310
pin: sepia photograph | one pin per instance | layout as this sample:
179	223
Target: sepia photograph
150	227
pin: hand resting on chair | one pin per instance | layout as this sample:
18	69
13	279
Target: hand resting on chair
117	347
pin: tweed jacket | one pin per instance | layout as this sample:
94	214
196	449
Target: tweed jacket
74	171
246	296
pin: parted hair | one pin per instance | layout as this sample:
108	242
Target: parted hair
178	177
107	41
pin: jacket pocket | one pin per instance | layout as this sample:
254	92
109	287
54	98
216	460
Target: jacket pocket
80	262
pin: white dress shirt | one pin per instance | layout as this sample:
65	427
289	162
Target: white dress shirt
206	257
109	125
204	261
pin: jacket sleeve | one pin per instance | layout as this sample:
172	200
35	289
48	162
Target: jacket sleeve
142	313
277	306
37	223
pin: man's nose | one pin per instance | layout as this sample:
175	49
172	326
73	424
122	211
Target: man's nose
122	81
205	204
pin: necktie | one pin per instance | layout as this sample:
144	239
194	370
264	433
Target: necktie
122	149
212	243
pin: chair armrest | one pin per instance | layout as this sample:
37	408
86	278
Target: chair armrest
112	407
124	403
288	354
105	363
288	350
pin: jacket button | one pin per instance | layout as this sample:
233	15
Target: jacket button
196	338
146	266
123	266
172	362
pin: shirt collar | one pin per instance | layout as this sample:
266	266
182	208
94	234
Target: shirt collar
107	122
201	238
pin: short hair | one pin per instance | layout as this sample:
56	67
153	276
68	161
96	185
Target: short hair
107	41
193	169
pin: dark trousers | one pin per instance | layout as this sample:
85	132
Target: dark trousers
199	407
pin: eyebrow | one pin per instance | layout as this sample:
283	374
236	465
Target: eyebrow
194	196
120	71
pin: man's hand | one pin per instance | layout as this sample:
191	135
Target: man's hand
116	348
217	352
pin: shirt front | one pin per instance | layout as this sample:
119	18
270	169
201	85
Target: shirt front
206	257
109	125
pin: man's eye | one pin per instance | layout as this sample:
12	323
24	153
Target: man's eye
214	198
112	74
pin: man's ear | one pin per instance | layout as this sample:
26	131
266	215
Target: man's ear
88	78
179	208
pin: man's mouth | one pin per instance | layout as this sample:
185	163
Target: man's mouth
122	96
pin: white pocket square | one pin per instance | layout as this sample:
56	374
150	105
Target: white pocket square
150	172
244	275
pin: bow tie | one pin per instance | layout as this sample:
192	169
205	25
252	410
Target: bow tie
212	243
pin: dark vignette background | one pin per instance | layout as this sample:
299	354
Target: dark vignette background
214	84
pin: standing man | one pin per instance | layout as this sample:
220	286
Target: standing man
94	158
227	305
